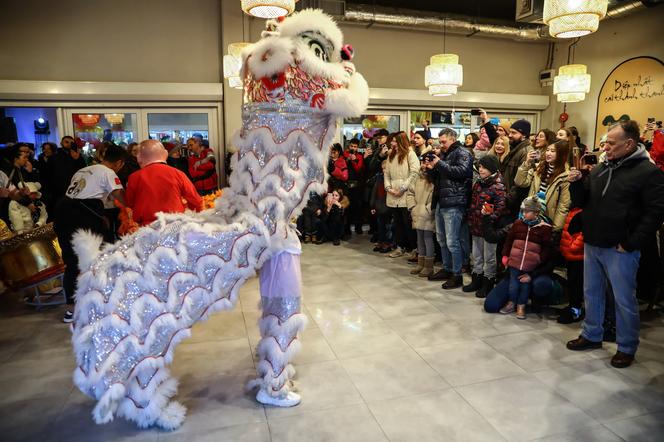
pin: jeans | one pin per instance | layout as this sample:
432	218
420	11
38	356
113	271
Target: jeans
465	240
542	289
382	226
518	291
619	268
484	257
448	231
425	246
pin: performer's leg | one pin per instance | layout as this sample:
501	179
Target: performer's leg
280	284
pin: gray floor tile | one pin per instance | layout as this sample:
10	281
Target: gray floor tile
646	428
238	433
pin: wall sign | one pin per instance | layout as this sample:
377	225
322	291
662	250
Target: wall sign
633	90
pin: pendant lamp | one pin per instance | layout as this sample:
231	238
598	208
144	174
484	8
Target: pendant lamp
114	118
572	83
268	8
233	64
444	74
573	18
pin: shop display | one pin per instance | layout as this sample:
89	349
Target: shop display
138	298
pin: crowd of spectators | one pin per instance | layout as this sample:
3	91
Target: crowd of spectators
534	216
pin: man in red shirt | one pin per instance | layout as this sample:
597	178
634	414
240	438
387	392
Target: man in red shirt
158	187
202	167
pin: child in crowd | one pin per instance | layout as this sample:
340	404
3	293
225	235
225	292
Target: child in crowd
489	193
310	221
419	196
335	205
528	244
24	218
337	168
378	205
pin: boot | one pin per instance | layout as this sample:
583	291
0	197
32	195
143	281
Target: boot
420	266
440	275
454	282
487	286
428	268
475	283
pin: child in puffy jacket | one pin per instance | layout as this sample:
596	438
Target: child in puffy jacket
571	247
418	200
528	245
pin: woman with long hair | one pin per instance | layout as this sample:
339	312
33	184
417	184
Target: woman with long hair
401	172
501	149
548	181
565	134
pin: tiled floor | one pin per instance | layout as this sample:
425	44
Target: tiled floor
386	356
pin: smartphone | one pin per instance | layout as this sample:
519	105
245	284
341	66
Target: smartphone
476	112
590	159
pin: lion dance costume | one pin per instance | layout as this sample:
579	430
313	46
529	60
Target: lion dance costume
138	298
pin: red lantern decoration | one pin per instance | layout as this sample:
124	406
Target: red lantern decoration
87	120
563	118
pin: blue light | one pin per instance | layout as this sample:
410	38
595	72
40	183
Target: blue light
40	120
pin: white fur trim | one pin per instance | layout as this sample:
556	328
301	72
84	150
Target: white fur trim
350	102
268	57
86	245
317	21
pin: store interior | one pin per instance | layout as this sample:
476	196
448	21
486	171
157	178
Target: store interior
385	356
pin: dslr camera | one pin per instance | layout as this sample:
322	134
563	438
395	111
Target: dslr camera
428	157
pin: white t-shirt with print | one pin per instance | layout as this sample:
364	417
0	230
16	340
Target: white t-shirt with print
93	182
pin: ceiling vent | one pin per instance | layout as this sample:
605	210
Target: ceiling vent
530	11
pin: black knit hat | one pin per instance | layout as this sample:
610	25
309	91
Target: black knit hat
490	162
522	126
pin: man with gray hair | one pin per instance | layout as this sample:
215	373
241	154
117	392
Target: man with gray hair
452	177
158	187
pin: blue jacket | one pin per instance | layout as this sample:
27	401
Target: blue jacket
453	178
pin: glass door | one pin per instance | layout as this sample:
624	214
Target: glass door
364	128
91	127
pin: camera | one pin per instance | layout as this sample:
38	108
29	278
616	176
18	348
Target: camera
427	157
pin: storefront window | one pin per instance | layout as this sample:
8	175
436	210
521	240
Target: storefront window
366	126
90	130
177	127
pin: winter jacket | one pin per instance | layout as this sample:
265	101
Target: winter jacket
355	168
453	176
490	190
61	169
571	240
527	247
557	198
378	198
419	198
338	170
512	161
203	173
20	217
623	202
400	176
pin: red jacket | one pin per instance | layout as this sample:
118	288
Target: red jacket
204	173
159	187
571	244
527	247
355	168
340	169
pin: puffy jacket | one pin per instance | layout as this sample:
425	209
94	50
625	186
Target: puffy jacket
453	176
527	247
400	176
490	190
557	198
355	168
419	199
623	202
203	173
21	217
571	240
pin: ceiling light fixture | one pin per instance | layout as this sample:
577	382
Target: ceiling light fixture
573	18
233	64
573	81
268	8
444	74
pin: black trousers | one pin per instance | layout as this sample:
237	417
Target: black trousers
70	216
356	197
403	228
333	226
575	283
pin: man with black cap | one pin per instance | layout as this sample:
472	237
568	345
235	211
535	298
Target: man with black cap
519	143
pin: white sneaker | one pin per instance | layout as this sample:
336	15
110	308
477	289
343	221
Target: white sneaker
290	400
397	253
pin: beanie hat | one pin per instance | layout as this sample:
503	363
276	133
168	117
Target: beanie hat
531	204
490	162
522	126
505	125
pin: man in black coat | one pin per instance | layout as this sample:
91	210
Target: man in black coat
62	167
453	175
623	206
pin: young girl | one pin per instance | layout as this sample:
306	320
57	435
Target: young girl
528	244
419	201
489	191
548	181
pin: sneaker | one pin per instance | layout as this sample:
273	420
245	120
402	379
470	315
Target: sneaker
569	315
521	311
508	308
68	318
397	253
336	242
289	400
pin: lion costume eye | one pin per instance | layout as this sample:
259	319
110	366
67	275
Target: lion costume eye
317	44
